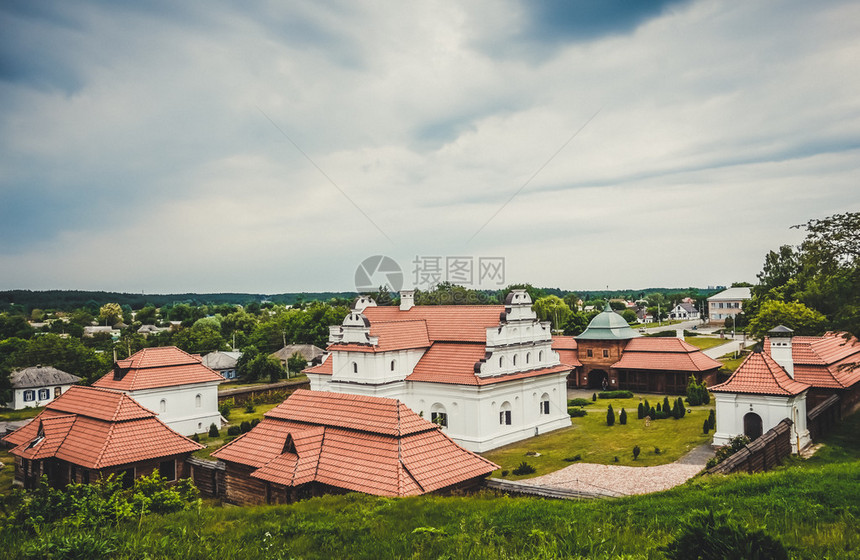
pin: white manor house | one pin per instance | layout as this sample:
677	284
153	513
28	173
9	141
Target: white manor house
488	374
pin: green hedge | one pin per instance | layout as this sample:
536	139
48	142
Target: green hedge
615	395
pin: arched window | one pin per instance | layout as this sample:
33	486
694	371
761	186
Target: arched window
505	414
501	361
354	367
392	365
540	357
515	359
198	400
544	404
438	415
528	357
162	406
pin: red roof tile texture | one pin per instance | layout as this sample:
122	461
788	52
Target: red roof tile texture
567	350
393	335
454	323
825	361
98	428
358	443
760	374
672	354
151	368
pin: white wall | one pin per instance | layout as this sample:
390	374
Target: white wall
181	412
18	397
732	407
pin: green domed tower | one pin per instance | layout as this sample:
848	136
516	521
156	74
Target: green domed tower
600	346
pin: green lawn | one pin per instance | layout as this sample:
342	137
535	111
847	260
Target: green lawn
8	415
595	442
655	325
705	342
237	416
7	473
261	385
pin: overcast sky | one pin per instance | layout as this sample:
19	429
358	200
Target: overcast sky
271	147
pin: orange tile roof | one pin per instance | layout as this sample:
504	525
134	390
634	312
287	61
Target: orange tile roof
448	362
664	354
385	449
393	335
567	350
98	428
151	368
325	367
760	374
454	323
825	361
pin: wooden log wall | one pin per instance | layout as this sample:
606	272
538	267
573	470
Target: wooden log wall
821	419
760	455
208	477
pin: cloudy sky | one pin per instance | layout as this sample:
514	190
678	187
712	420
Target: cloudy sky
271	147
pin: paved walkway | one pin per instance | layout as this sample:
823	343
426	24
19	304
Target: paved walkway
617	479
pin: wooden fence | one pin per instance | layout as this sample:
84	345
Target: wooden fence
821	419
763	454
526	489
241	395
208	477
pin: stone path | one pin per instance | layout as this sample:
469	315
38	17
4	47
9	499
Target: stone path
585	477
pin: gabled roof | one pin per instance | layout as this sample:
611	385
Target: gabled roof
732	294
608	325
664	353
151	368
41	377
567	350
825	361
759	374
393	335
385	449
308	351
453	323
221	360
97	428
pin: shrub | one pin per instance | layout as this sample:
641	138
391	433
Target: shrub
713	537
254	422
233	431
712	420
610	416
574	458
593	396
505	473
706	427
657	451
576	412
195	437
659	408
640	411
578	402
653	414
245	426
213	430
622	418
636	452
615	458
735	444
250	408
524	468
667	407
615	395
224	410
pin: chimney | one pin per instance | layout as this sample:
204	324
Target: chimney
679	333
780	348
407	300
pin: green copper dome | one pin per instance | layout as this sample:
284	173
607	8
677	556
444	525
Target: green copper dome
608	325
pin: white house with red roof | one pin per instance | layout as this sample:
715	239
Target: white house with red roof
87	433
173	383
487	374
319	442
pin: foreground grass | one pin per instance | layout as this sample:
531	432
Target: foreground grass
595	442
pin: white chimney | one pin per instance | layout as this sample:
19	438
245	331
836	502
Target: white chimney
780	348
407	300
679	333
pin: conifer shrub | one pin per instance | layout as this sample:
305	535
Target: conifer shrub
213	430
667	408
615	459
610	416
594	397
653	413
195	437
657	451
640	411
233	430
254	422
245	426
712	420
250	408
706	427
659	408
636	452
505	473
622	418
576	457
524	468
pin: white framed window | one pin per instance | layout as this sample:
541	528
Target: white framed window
29	395
505	414
162	406
544	404
438	415
198	400
393	364
44	394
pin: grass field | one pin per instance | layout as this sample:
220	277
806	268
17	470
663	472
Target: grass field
237	416
7	415
595	442
7	472
705	342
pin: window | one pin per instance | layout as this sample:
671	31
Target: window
58	391
540	357
505	414
544	404
590	353
29	395
354	367
167	469
44	394
162	406
440	418
515	359
528	357
606	353
501	361
392	365
198	400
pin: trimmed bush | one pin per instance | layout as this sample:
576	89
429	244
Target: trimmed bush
233	431
254	422
195	437
224	410
213	430
615	459
615	395
250	408
245	426
667	407
578	402
640	411
576	412
706	427
524	468
593	396
712	420
573	459
657	451
636	452
622	418
505	473
610	416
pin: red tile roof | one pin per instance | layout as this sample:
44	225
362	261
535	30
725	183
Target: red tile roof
98	428
825	361
359	443
150	368
760	374
325	367
393	335
447	362
453	323
664	354
567	350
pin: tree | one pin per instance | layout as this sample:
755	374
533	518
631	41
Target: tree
794	315
554	309
14	326
296	363
147	315
243	365
110	313
629	316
